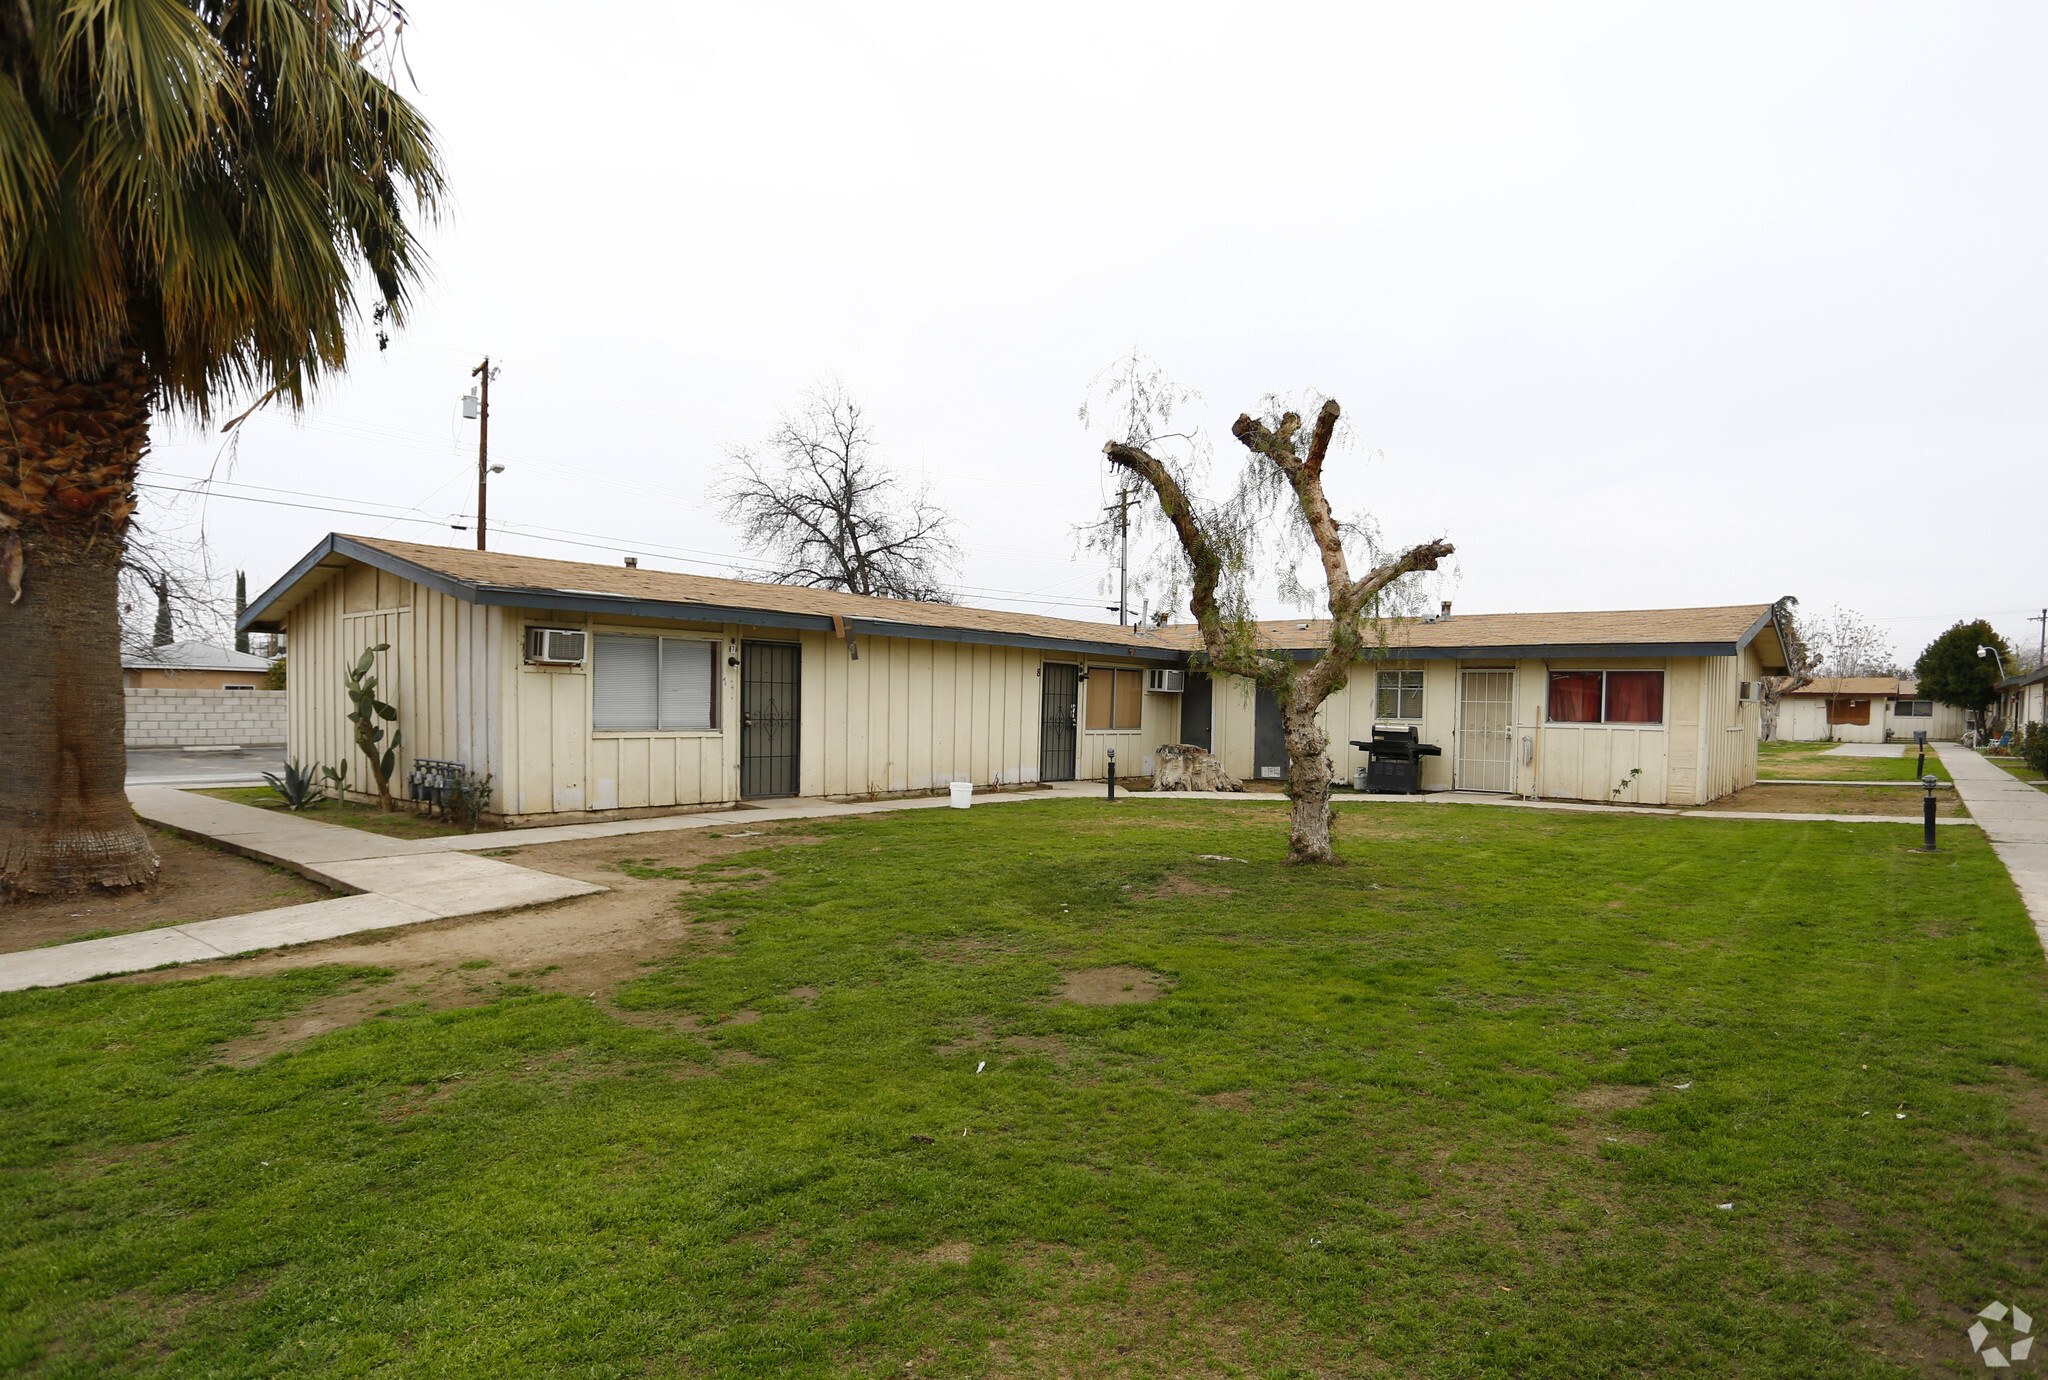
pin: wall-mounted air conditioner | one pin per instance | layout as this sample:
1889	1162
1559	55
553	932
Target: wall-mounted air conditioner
1167	682
557	646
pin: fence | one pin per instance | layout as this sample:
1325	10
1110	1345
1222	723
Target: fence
205	718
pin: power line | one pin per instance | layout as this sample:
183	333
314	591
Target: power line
568	537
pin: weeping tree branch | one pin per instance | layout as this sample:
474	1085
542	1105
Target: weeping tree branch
1215	545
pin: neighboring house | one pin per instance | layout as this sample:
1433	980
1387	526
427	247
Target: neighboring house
588	688
2023	700
192	666
1863	709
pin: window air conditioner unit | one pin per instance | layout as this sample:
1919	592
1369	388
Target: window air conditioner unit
1748	693
557	646
1167	682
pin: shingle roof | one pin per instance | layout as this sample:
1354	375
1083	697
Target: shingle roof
1877	687
539	573
192	656
538	582
1479	631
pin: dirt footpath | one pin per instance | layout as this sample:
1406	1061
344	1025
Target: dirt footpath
583	947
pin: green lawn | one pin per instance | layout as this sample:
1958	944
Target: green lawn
400	824
1464	1108
2018	768
1805	762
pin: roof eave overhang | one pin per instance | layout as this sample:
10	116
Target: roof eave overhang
1540	650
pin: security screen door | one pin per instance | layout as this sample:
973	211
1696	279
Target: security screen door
1060	703
1485	730
771	683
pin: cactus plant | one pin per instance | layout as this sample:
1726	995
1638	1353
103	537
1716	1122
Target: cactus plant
362	693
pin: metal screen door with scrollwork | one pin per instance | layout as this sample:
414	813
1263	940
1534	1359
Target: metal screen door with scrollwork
771	683
1058	729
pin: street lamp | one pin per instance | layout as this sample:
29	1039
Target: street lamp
1992	652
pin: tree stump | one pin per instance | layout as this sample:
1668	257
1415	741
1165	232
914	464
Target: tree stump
1185	767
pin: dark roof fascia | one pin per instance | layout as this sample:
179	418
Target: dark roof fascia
2022	682
1769	620
253	619
628	606
878	628
1554	649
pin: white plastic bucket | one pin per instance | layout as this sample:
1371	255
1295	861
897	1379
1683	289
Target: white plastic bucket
963	794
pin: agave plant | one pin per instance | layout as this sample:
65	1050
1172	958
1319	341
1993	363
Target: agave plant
191	193
300	787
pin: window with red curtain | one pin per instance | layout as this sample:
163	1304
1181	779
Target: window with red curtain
1575	697
1635	697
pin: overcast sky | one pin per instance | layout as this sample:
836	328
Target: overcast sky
1641	305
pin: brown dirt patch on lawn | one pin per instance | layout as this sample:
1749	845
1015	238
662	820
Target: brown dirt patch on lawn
1115	986
583	947
1900	801
1609	1097
1185	886
196	882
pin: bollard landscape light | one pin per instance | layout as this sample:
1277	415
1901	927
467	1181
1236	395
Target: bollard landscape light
1920	741
1927	813
1112	773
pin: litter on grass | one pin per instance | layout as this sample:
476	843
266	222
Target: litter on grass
1725	1207
1217	857
1681	1087
980	1066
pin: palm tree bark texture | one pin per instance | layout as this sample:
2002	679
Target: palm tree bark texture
66	490
1300	689
192	197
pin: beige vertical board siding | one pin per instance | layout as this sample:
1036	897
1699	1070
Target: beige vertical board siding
1092	759
920	731
329	630
645	769
1234	716
1691	720
1590	761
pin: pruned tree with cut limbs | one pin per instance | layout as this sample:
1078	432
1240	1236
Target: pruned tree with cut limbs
1280	500
829	512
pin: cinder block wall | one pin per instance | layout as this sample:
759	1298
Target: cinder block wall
205	718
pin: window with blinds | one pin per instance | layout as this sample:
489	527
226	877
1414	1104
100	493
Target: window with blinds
653	684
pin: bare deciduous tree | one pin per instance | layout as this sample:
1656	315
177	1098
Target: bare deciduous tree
827	511
1845	643
1279	501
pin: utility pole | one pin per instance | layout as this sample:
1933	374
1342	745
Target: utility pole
1123	559
483	446
2041	656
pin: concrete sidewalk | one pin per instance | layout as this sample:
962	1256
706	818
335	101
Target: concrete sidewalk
2014	817
385	883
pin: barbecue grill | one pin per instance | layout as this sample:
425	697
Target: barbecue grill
1394	760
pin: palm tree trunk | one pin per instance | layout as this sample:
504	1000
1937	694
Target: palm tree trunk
65	821
1308	785
68	455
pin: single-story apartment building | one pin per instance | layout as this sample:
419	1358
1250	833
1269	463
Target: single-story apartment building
192	666
2023	700
1863	709
583	688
